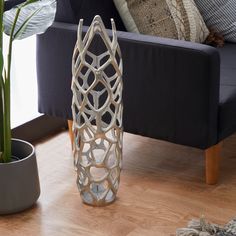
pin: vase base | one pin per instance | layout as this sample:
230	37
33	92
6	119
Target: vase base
98	204
95	200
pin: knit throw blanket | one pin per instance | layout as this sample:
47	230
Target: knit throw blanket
203	228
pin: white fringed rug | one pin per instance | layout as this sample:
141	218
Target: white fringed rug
203	228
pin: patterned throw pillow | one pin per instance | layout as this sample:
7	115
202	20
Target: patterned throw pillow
220	15
177	19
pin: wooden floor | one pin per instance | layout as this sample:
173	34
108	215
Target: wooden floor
162	187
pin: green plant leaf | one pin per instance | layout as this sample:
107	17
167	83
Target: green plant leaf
1	106
1	61
1	21
34	18
1	83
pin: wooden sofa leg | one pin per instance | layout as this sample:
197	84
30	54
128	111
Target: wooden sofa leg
212	156
70	123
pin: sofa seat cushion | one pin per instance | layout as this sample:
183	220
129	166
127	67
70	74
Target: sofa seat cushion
227	114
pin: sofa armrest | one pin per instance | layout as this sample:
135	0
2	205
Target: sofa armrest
171	88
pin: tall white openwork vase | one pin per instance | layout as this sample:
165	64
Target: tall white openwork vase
97	113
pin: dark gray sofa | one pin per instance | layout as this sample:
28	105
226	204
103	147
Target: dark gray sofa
176	91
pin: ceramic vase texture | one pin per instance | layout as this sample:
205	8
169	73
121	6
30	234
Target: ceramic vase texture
19	180
97	113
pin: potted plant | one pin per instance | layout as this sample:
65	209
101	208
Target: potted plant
19	182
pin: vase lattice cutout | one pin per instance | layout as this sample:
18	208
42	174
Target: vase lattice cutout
97	113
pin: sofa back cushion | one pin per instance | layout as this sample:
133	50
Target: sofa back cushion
64	12
177	19
11	3
71	11
220	15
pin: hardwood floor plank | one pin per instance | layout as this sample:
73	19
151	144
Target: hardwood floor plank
162	188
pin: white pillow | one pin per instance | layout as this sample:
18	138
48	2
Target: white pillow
220	15
125	15
178	19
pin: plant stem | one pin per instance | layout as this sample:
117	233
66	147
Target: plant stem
1	22
1	83
6	89
7	97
